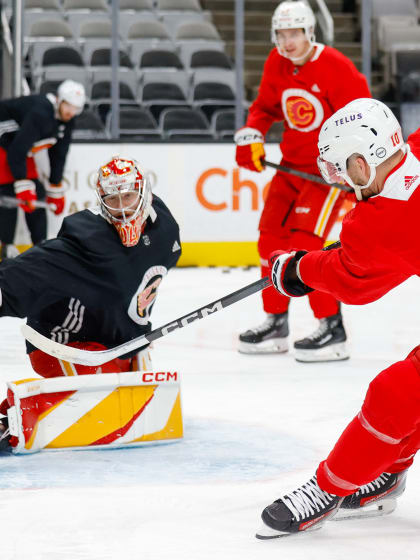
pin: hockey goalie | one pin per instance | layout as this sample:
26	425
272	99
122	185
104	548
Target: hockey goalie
93	287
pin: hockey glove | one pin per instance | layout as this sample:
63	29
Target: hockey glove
55	196
26	193
284	274
249	148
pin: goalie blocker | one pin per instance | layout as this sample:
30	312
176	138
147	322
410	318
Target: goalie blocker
98	411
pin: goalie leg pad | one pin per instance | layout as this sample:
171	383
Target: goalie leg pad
94	411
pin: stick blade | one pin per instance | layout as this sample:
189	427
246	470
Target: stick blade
62	352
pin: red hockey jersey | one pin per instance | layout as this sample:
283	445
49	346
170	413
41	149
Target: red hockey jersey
304	97
379	240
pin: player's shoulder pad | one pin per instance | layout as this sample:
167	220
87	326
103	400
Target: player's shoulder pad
335	57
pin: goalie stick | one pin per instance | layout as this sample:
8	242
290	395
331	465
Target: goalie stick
304	175
99	357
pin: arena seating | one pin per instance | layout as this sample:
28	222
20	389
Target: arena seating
176	80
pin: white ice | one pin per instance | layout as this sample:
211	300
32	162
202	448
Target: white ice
255	428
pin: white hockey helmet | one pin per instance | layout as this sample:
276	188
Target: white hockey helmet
293	15
364	126
73	93
125	198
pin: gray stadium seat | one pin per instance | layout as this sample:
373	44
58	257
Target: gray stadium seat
159	92
127	19
85	5
196	30
137	5
189	5
160	59
42	5
53	29
389	7
88	126
184	123
60	73
136	124
223	123
91	26
146	35
100	58
210	59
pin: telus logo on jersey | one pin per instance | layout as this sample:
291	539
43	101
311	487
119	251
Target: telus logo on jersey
349	118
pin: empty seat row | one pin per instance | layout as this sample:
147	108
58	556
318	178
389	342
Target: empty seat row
174	123
66	55
102	5
157	94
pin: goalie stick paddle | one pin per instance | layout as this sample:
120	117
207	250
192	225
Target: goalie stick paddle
304	175
99	357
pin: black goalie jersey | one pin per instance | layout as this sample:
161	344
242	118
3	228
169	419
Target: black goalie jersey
85	285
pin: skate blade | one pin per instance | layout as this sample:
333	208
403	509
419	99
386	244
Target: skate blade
273	346
384	507
265	533
333	353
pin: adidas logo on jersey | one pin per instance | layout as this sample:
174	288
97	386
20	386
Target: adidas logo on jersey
315	88
175	247
409	180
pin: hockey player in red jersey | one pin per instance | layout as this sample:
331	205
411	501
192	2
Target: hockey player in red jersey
302	85
366	470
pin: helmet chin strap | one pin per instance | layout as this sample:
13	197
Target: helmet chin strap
358	188
296	59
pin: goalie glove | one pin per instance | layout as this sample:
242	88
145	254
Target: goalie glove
249	148
55	196
285	274
25	191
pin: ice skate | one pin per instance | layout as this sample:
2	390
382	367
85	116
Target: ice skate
326	344
304	509
270	337
374	499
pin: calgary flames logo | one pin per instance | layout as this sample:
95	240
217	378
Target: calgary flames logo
302	110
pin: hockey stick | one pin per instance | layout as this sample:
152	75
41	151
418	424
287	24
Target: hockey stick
304	175
11	202
98	357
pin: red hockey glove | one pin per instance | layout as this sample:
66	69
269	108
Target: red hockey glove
250	148
55	195
26	193
284	274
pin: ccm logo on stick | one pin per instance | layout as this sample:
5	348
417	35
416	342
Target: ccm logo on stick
159	376
193	317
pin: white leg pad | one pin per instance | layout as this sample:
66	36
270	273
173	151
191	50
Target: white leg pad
94	411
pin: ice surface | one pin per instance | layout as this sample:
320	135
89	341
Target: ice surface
255	427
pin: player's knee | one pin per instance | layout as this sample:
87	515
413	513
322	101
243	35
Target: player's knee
392	403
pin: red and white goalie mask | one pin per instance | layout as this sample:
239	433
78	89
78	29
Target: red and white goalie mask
125	198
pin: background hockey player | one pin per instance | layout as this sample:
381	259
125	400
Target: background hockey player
27	125
302	85
362	144
94	286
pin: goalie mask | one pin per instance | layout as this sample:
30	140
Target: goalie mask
364	126
125	197
293	15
